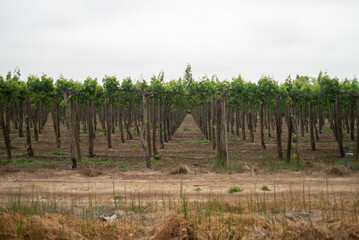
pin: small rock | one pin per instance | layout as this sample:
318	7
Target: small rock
108	219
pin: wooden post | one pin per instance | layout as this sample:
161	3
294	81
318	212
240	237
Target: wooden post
74	127
108	118
269	121
357	142
21	115
224	147
6	140
209	121
90	125
154	123
148	130
311	124
143	130
289	142
29	149
71	121
339	127
243	122
162	145
262	126
213	140
120	123
295	130
218	130
250	121
278	123
164	118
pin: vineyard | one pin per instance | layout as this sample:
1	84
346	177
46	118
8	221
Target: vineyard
164	153
156	109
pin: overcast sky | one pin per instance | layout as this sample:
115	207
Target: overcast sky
142	37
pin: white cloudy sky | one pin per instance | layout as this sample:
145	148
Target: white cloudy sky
80	38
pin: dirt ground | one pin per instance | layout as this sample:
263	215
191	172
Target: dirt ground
188	146
65	184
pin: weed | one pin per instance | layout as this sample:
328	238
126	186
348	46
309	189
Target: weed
117	197
183	155
197	142
265	188
139	164
122	164
44	163
341	161
24	160
197	189
202	141
236	166
294	137
133	145
59	153
4	161
157	156
157	164
107	162
187	130
235	189
277	165
86	160
326	129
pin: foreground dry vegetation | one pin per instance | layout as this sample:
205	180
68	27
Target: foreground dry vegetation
274	215
259	197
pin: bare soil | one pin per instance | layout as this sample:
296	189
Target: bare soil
255	167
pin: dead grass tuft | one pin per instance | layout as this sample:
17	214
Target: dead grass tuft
50	226
182	169
338	171
92	171
308	164
174	227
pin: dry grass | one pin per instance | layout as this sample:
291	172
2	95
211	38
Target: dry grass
91	171
182	169
174	226
271	215
338	171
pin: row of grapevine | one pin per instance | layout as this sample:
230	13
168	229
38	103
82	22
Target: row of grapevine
141	105
157	108
303	103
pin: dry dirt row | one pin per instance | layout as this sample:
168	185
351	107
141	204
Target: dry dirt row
186	146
